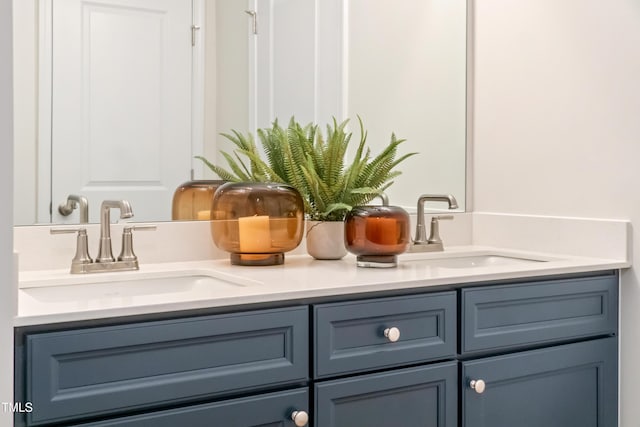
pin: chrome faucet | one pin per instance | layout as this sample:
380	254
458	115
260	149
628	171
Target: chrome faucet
434	242
127	260
105	253
75	201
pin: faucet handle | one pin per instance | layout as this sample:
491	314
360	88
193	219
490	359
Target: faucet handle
141	227
434	234
67	230
82	248
127	254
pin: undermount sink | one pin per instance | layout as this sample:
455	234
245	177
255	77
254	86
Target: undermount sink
474	261
184	287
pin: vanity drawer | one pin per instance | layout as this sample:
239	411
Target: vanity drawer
350	337
96	371
505	317
269	409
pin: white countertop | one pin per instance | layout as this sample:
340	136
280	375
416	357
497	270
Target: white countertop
52	296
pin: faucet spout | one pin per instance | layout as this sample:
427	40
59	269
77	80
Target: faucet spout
73	201
105	253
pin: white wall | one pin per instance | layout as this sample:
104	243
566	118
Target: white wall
406	74
210	74
227	95
25	56
557	126
7	285
397	77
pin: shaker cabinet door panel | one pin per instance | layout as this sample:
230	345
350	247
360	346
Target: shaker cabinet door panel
350	337
495	318
90	372
265	410
573	385
425	396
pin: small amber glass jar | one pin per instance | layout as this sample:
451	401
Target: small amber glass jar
377	234
257	222
192	200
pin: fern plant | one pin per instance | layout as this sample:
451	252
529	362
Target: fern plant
317	166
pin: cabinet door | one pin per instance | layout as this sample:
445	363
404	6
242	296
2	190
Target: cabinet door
573	385
264	410
425	396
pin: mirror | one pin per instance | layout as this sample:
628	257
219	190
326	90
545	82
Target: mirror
400	66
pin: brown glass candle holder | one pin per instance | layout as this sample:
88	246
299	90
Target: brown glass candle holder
377	235
257	222
192	200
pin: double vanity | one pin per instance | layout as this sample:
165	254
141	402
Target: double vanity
473	336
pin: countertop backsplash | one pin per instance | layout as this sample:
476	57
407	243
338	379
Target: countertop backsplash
191	240
170	242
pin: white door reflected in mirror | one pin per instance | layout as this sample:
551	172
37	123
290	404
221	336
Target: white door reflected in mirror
121	105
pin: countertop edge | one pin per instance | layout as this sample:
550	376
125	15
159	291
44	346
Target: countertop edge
273	290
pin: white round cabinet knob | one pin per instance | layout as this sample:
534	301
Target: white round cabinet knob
477	385
392	334
300	418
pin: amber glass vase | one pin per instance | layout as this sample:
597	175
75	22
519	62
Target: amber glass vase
377	234
257	222
192	200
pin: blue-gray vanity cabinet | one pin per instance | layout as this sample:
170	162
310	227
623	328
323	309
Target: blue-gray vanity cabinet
350	336
423	396
88	372
545	350
268	409
572	385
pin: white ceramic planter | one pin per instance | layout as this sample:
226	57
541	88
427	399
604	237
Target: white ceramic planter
325	239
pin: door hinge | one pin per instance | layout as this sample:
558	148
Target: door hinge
254	20
194	28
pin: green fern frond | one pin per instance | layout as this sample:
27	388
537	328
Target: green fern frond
315	164
221	172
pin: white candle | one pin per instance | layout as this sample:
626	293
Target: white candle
204	215
254	234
